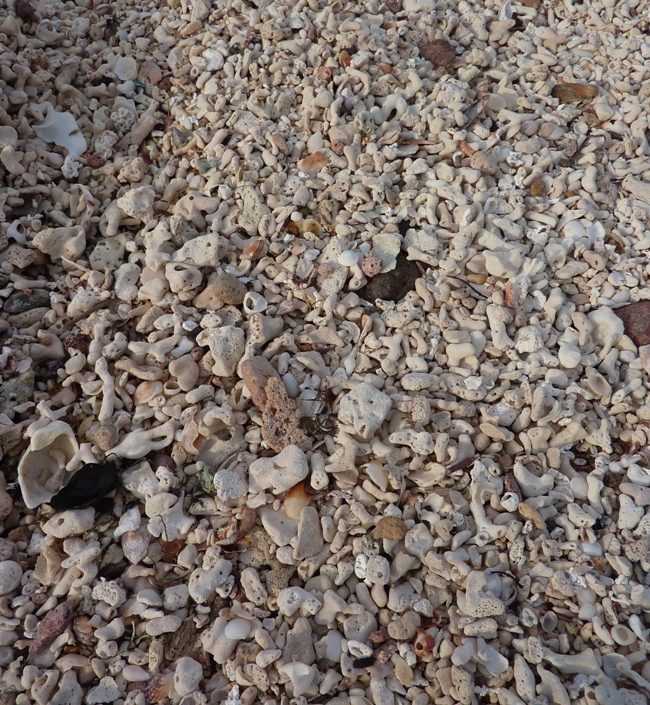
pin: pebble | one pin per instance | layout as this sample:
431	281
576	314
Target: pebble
21	302
10	575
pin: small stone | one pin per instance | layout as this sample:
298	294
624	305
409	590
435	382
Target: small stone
253	210
569	356
187	676
108	253
70	523
310	537
574	92
503	265
636	319
389	528
281	472
312	164
49	628
21	302
58	243
378	570
538	188
256	372
484	162
106	692
281	419
394	285
439	52
10	575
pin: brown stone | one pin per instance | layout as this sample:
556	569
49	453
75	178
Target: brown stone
256	372
281	419
389	528
574	92
439	52
636	319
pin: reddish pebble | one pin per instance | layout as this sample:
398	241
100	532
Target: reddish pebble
53	624
636	319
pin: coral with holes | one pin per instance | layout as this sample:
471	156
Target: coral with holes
281	419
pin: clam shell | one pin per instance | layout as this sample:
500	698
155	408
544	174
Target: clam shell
146	391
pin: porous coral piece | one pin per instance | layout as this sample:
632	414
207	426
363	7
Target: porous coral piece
21	257
371	265
58	243
281	418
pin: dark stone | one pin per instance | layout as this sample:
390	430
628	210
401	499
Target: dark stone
392	286
21	301
636	319
90	482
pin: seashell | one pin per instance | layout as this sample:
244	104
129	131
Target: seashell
348	258
190	435
238	629
439	52
171	388
385	68
423	643
146	391
549	622
622	635
255	249
312	164
574	92
42	469
344	59
254	303
126	68
296	499
324	73
160	688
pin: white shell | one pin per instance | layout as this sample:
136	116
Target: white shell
238	629
41	471
348	258
146	391
622	635
254	303
126	68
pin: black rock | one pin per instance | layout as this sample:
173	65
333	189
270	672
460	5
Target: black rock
392	286
92	481
21	302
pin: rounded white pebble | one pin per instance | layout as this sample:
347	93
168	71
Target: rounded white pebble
569	356
187	675
348	258
238	629
10	575
135	674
